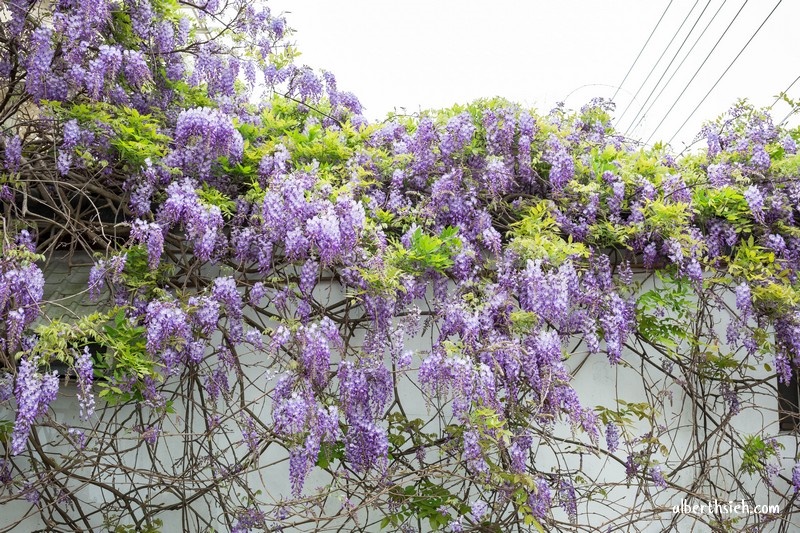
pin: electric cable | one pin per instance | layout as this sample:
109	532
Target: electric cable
726	71
788	115
653	69
785	91
678	69
698	69
631	127
642	50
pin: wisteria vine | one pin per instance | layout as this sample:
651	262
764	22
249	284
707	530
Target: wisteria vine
397	312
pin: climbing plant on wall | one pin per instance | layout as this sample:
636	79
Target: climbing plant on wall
276	279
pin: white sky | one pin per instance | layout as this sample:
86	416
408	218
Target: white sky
413	54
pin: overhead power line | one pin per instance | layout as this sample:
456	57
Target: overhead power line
786	118
783	92
678	68
633	123
726	70
647	78
698	70
642	50
794	107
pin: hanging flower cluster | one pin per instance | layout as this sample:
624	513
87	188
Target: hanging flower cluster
273	267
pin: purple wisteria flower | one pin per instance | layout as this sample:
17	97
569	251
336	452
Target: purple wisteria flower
756	202
455	526
39	82
540	499
473	454
306	85
719	174
150	433
744	300
562	168
77	437
84	370
789	145
249	519
13	153
658	477
21	291
201	136
783	368
519	450
6	386
458	133
731	397
631	467
479	509
34	392
168	332
203	223
569	500
152	236
612	437
760	158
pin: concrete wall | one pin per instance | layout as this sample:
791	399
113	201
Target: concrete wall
597	382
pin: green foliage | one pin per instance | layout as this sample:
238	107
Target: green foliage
118	346
536	236
604	234
646	164
189	95
125	357
752	262
603	161
756	453
169	10
403	431
328	453
521	499
137	273
21	255
318	144
60	340
666	219
663	313
211	196
523	321
153	526
128	343
137	138
6	429
727	203
385	279
775	299
623	415
423	500
255	194
427	251
491	426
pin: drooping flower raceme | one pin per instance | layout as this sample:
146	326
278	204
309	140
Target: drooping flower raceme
21	291
34	392
203	223
612	437
85	372
201	136
168	332
539	499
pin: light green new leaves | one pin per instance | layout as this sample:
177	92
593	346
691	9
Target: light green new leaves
427	251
